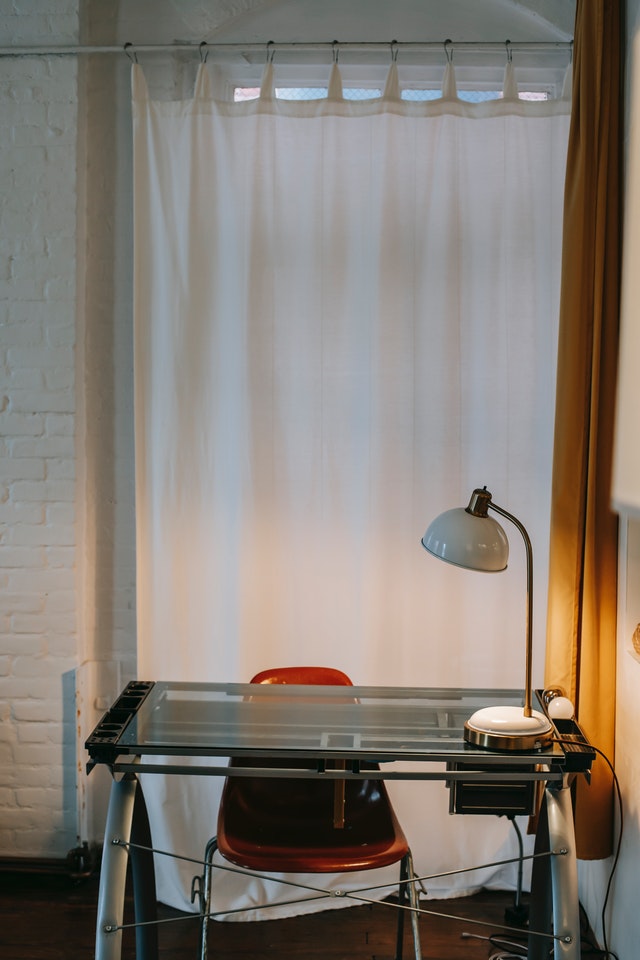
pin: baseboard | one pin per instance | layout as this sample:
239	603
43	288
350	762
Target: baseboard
48	865
79	863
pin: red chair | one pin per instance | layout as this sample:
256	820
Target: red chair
291	825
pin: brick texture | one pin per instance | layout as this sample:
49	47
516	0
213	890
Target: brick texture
67	560
38	137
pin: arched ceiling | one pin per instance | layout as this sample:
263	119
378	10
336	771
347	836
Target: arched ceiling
257	21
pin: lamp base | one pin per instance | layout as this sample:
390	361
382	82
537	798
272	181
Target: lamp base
507	728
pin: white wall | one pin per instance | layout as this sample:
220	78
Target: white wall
624	917
67	537
38	654
105	491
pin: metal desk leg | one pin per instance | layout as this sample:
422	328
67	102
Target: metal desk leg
564	873
143	879
113	871
127	820
540	907
554	881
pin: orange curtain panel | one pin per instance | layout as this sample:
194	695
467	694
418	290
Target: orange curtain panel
581	624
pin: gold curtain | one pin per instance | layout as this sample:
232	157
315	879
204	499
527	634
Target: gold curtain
581	622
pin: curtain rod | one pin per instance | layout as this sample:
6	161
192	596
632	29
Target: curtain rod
131	49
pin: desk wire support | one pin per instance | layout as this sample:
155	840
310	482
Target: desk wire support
322	893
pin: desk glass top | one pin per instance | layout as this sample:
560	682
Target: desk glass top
351	723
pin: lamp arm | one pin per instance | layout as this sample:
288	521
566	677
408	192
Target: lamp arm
529	621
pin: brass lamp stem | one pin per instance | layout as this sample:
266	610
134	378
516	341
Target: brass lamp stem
478	505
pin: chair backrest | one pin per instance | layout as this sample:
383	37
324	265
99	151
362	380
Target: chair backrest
322	676
300	824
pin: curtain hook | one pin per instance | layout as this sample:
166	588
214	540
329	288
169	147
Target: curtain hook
448	50
130	52
271	51
571	51
336	50
204	51
394	51
507	44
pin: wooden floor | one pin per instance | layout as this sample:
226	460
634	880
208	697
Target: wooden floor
44	917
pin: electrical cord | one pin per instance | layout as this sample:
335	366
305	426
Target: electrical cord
516	951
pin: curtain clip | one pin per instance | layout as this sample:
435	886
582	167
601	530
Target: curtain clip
130	52
448	50
394	51
507	44
271	51
204	51
336	50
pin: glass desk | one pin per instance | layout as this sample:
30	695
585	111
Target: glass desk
191	729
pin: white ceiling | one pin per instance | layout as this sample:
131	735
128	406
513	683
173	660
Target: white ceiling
161	22
257	21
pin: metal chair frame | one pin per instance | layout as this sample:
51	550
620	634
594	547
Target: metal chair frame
408	899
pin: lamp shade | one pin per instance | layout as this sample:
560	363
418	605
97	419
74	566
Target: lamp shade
471	538
474	542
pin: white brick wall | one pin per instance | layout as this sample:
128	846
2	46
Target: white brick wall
38	649
67	559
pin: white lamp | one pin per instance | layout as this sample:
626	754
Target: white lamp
469	537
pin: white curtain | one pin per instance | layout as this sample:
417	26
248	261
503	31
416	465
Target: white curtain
345	320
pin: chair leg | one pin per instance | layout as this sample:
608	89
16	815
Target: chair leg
402	897
414	900
407	891
204	893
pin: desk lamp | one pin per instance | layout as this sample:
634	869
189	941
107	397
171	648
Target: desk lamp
469	537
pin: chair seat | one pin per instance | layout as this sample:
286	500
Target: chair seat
286	825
